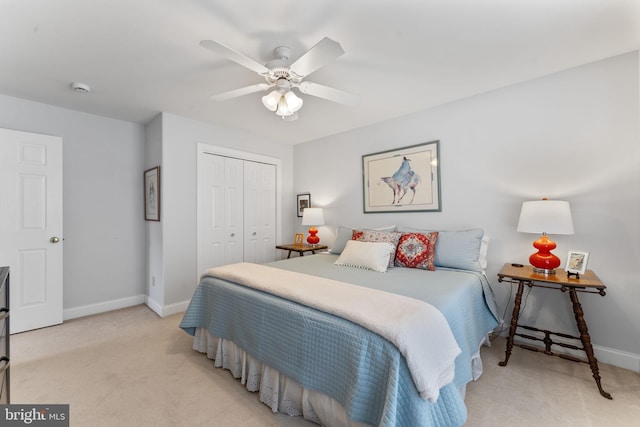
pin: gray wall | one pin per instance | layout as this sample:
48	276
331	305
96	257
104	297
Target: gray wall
569	136
103	161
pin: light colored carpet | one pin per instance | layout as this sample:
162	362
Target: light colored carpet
131	368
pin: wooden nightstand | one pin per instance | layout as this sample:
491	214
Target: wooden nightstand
301	249
587	283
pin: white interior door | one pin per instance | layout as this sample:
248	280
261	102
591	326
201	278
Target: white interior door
259	212
31	226
220	201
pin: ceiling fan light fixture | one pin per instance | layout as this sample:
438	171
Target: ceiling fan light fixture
283	108
271	100
293	102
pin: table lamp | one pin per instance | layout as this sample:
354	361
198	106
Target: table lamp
313	217
545	216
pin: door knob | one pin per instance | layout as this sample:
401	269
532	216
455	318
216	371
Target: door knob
54	239
254	233
233	234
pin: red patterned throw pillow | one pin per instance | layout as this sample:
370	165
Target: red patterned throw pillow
417	250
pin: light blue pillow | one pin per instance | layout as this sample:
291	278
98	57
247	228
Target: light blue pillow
459	249
344	235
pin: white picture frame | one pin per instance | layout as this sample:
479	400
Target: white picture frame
577	262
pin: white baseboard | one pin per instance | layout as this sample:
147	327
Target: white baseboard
166	310
102	307
153	305
621	359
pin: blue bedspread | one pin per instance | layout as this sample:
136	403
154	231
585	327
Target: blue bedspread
361	370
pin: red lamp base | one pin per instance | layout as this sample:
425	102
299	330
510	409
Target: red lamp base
543	261
313	239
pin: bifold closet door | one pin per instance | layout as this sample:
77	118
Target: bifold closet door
259	212
221	216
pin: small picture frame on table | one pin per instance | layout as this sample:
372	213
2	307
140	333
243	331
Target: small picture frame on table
303	201
299	239
577	263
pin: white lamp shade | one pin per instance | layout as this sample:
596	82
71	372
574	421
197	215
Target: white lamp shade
293	101
283	107
271	100
546	216
312	216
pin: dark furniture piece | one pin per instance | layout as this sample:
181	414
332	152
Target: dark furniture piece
4	335
587	283
301	249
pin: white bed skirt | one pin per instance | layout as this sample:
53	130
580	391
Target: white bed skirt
279	392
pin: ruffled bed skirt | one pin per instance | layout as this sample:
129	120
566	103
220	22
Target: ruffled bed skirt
279	392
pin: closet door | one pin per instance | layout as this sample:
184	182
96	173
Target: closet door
259	212
233	206
220	212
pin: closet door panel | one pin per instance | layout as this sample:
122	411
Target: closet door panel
260	212
212	224
220	224
251	213
236	211
234	201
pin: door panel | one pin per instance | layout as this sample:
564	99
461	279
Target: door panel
234	228
260	212
251	213
220	211
211	229
31	215
236	211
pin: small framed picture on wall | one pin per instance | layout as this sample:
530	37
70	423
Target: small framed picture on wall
152	194
303	201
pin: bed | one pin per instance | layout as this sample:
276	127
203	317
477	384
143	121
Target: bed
313	358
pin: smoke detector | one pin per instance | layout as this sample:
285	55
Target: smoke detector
80	87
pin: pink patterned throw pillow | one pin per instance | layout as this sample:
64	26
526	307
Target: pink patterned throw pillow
417	250
380	236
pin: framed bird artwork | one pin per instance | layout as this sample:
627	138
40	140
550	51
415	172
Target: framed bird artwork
402	180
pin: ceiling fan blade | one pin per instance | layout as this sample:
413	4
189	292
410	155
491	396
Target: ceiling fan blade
240	92
317	57
326	92
235	56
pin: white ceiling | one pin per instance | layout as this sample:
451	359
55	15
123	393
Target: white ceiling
141	57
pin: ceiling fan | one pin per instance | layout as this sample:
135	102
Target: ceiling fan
283	75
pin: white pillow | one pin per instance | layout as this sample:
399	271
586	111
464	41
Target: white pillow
368	255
